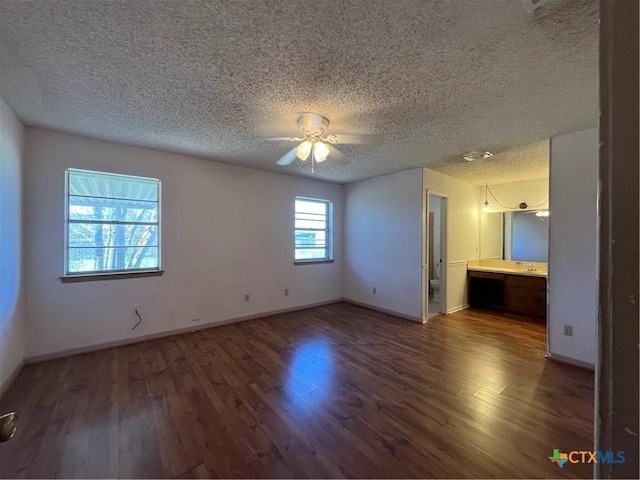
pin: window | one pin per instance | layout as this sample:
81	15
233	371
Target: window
112	223
312	230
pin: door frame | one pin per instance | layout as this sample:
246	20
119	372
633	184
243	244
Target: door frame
444	223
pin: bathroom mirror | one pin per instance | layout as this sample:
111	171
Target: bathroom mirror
521	236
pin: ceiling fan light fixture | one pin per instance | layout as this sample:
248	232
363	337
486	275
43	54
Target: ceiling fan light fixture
320	152
314	144
304	149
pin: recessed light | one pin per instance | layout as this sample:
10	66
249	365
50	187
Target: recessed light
473	156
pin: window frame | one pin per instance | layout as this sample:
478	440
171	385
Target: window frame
328	258
106	274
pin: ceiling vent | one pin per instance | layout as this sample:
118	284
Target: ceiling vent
473	156
532	5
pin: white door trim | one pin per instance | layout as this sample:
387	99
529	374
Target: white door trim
443	252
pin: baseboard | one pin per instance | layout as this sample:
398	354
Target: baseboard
571	361
166	333
464	306
14	374
383	310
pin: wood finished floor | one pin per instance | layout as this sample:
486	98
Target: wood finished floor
333	391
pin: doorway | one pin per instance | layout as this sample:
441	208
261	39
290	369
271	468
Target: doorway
434	264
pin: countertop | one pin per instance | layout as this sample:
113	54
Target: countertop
510	271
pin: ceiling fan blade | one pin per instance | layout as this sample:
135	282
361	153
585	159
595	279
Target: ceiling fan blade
289	157
336	156
284	139
343	138
335	153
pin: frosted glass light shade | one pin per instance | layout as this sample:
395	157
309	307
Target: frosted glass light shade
320	152
304	149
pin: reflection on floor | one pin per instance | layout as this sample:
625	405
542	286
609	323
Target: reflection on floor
334	391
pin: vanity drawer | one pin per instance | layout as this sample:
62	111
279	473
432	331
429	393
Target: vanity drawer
491	275
522	281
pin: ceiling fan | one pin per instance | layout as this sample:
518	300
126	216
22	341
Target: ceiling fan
314	143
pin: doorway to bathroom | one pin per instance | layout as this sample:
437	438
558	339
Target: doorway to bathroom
435	264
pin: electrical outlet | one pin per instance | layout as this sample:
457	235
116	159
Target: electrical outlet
197	319
286	292
374	290
568	330
246	297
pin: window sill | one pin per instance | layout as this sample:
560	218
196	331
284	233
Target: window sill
90	277
311	262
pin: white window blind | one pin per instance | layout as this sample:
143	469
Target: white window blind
312	230
113	223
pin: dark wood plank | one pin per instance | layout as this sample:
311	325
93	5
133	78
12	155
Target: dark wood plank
330	392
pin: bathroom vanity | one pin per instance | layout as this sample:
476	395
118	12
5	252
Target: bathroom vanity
510	275
517	289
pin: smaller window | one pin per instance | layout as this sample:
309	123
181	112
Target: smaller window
313	230
112	223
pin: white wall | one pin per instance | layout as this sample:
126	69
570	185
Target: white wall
492	234
463	232
533	192
573	245
383	242
11	297
226	231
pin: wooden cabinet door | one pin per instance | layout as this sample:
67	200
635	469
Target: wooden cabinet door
526	296
526	301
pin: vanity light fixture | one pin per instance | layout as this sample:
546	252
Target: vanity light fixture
521	206
486	202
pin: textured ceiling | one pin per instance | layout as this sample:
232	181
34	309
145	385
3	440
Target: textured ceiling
526	162
209	78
